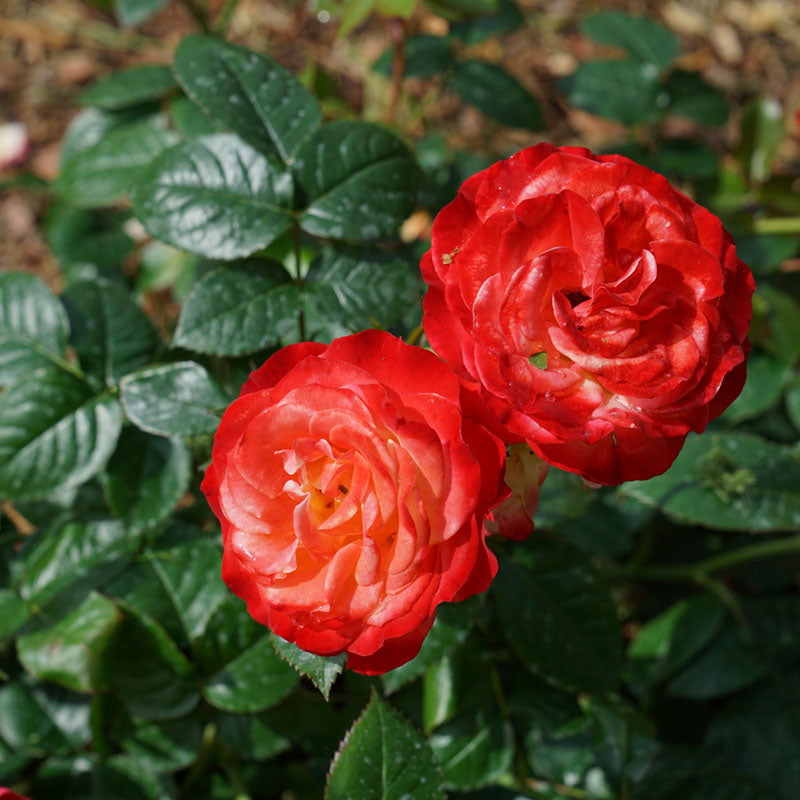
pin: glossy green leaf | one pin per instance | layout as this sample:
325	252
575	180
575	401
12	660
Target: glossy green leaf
215	196
132	12
477	29
762	132
179	399
129	87
496	93
439	693
146	477
758	732
563	497
641	38
450	629
729	664
13	613
558	615
177	582
166	745
190	120
473	751
763	252
71	552
110	333
360	179
690	96
779	313
383	758
239	309
766	380
256	679
252	95
667	642
110	169
734	481
424	56
793	402
33	326
320	670
55	433
351	290
250	735
147	671
72	651
40	722
620	90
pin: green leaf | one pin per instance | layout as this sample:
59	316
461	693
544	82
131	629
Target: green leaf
87	243
766	380
674	637
179	399
320	670
558	615
383	757
348	291
215	196
40	722
33	326
250	735
793	402
111	168
72	651
779	313
729	664
563	497
473	751
758	732
764	252
90	126
13	614
450	629
731	481
620	90
110	333
239	309
360	179
129	87
473	30
163	746
147	671
55	433
424	56
146	477
690	96
762	132
67	553
177	582
643	39
256	679
252	95
229	632
190	120
496	93
132	12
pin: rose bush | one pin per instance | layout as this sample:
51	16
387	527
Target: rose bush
603	313
352	493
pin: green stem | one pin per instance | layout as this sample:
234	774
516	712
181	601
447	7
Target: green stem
789	225
700	570
301	317
207	747
199	16
224	17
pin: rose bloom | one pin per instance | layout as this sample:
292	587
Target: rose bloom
352	493
7	794
603	313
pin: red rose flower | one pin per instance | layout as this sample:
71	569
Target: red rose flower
7	794
352	493
602	312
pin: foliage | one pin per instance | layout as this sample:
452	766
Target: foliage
643	644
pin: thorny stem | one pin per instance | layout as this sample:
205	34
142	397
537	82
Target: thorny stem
700	570
397	36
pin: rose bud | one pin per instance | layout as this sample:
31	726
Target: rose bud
603	313
352	493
